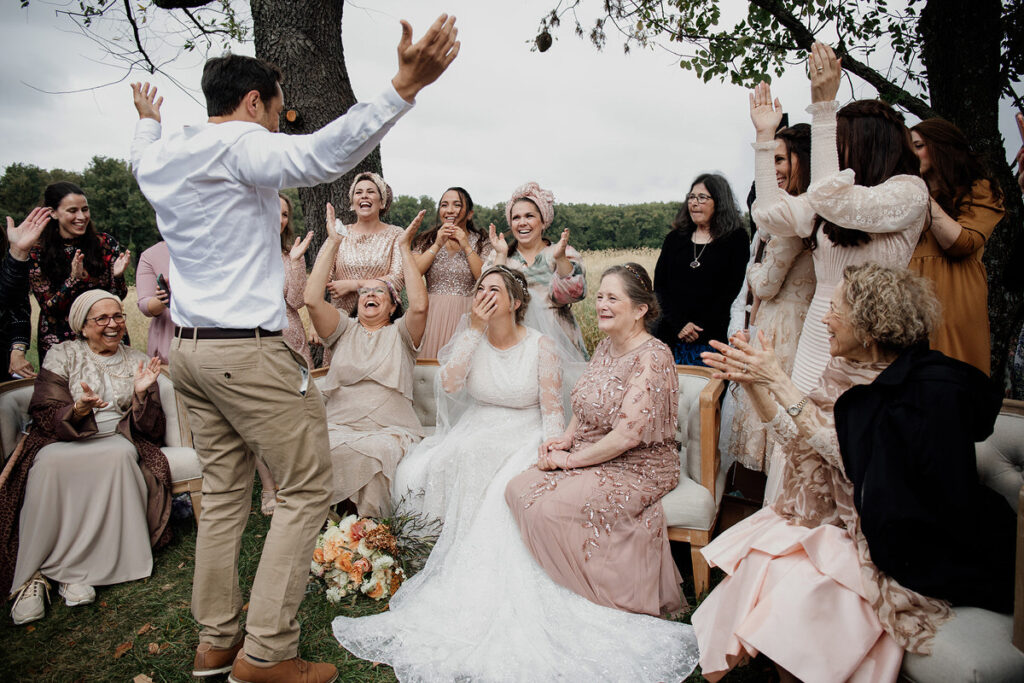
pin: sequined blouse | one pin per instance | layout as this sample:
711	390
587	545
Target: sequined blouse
361	257
450	273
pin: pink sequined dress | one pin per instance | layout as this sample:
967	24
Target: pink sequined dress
450	288
600	530
367	256
294	286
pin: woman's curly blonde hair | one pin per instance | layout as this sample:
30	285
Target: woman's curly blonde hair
892	306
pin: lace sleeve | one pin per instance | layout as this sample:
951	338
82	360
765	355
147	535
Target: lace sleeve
774	210
817	431
896	205
549	381
650	404
455	369
766	278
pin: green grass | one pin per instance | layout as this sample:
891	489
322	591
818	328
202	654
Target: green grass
79	644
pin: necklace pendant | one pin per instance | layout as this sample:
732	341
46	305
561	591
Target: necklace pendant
695	263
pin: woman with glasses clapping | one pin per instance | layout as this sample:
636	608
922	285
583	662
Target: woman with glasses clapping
368	389
700	269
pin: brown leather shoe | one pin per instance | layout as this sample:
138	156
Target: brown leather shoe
289	671
211	660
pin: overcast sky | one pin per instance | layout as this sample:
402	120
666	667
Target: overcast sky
591	126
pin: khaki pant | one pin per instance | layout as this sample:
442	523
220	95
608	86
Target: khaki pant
243	398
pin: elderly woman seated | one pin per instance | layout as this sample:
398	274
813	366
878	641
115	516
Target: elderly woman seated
368	389
89	493
880	517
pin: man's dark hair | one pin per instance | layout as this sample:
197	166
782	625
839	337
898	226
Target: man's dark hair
227	79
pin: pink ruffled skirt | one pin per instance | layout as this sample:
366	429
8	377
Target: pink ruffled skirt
793	593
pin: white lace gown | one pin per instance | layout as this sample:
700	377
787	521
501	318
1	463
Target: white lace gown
482	609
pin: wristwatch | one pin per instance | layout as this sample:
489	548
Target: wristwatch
795	409
19	346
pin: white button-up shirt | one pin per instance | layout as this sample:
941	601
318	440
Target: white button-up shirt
214	188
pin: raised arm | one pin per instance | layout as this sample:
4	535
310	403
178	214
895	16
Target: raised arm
569	283
415	288
766	278
973	225
324	316
147	130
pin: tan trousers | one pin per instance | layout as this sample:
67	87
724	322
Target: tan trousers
243	398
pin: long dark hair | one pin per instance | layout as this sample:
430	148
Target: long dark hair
953	166
873	141
54	262
797	139
425	239
288	234
726	217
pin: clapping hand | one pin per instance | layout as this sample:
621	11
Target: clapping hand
146	101
332	220
498	242
25	236
90	401
764	113
145	375
743	363
423	62
405	241
561	245
120	263
78	266
299	247
825	71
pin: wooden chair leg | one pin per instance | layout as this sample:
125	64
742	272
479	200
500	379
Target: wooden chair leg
701	570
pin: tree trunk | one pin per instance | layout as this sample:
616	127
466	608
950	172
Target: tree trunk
303	38
962	54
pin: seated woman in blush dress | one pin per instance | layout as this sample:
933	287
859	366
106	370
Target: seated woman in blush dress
482	609
590	511
368	389
89	492
852	563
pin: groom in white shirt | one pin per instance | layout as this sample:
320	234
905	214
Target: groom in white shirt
214	188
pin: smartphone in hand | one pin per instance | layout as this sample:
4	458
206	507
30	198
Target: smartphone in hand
161	282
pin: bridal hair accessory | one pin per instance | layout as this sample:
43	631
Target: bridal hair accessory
383	189
637	276
543	199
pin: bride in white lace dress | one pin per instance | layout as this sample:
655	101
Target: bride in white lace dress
482	609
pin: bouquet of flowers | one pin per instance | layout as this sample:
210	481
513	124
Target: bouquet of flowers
357	554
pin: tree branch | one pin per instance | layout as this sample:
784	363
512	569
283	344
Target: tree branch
886	88
138	38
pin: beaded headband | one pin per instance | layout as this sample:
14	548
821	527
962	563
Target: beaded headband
637	276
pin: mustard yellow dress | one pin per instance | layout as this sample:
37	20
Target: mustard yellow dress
960	281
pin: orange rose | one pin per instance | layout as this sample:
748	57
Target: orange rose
344	561
363	565
356	576
318	555
377	591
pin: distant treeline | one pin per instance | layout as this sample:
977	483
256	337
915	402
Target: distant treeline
119	208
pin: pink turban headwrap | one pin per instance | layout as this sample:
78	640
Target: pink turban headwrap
544	200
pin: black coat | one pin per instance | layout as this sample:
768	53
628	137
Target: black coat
907	441
15	313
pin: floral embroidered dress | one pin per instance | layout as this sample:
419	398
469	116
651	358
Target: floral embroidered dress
600	530
450	288
294	287
55	299
783	283
551	298
800	584
482	609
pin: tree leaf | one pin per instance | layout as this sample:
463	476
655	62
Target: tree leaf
121	649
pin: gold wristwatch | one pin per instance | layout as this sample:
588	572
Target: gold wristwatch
795	409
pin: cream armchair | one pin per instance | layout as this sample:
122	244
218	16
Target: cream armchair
978	645
186	475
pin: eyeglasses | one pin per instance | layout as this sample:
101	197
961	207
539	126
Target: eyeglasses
698	198
364	291
104	320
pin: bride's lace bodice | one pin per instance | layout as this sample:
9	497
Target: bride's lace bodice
524	376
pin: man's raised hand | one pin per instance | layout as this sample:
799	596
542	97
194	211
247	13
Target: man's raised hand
422	62
146	102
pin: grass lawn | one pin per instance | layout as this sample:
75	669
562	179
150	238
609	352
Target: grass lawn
146	627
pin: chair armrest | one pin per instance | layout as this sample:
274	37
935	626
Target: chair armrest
1018	582
710	426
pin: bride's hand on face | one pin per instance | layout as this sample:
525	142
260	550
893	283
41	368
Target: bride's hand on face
484	306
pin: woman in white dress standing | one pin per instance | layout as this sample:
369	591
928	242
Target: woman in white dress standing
482	609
